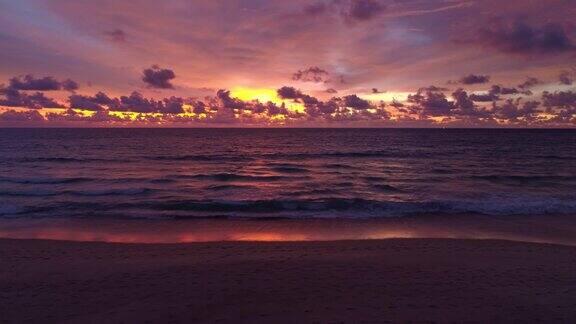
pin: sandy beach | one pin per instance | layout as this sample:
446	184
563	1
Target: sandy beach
397	280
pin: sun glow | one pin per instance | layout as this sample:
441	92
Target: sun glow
265	95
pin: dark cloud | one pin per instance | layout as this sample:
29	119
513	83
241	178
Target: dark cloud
15	98
487	97
137	103
521	38
297	95
156	77
70	85
463	102
464	105
567	77
363	10
475	79
95	103
274	109
320	108
351	11
512	109
116	35
311	74
500	90
289	93
559	99
430	101
315	9
353	101
229	102
331	90
198	107
173	105
396	104
433	89
375	90
21	116
29	82
84	102
529	83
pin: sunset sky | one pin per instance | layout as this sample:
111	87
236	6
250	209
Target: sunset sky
388	63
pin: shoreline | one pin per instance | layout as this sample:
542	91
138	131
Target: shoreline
555	229
395	280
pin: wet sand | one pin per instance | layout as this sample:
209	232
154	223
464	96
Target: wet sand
394	280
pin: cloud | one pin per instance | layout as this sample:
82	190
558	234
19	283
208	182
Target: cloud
567	77
464	105
353	101
311	74
487	97
116	35
521	38
331	91
559	99
229	102
69	85
29	82
137	103
529	83
289	93
156	77
198	107
297	95
173	105
430	101
500	90
512	109
350	11
475	79
84	102
21	116
363	10
315	9
15	98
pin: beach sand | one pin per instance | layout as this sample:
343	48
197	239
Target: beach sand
395	280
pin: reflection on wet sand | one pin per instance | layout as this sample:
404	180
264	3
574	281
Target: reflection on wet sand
544	229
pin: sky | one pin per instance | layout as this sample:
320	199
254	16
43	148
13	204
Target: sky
275	63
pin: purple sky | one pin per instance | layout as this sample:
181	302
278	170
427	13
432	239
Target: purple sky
307	63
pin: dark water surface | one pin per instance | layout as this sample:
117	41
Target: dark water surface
293	173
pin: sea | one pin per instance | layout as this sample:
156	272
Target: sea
285	173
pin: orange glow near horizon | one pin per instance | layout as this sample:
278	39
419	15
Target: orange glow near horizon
469	227
265	95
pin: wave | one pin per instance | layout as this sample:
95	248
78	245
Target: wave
111	192
523	178
226	187
70	160
289	169
224	176
386	188
46	180
289	156
28	193
9	209
294	208
201	158
93	192
359	208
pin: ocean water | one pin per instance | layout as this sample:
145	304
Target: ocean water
285	173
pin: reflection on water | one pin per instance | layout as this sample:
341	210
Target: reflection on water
551	229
